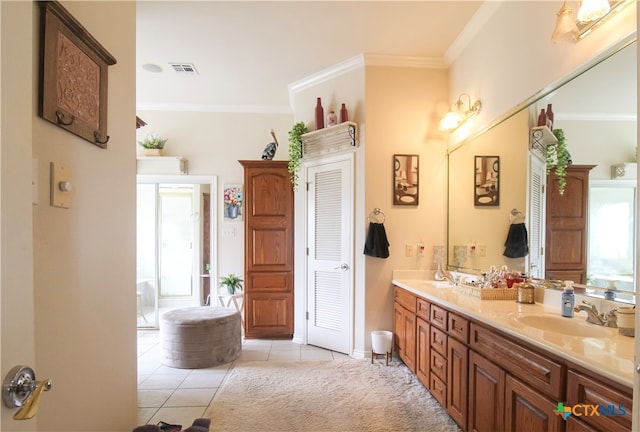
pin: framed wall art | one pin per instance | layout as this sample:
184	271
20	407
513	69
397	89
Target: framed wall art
405	179
486	184
73	75
233	198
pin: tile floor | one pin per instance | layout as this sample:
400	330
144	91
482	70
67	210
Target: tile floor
178	396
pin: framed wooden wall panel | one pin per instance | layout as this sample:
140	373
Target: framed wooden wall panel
73	75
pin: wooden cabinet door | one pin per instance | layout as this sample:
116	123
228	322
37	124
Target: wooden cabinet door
566	225
398	329
583	389
268	259
457	361
486	395
409	323
404	325
526	410
422	351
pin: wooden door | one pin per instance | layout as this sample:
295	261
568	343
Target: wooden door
268	250
486	395
566	226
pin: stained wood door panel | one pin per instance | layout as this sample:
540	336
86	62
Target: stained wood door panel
270	312
270	183
422	351
270	282
582	389
566	246
486	395
270	249
529	411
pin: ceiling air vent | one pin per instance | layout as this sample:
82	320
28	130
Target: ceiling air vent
184	68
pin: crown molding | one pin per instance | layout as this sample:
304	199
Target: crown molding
596	116
358	62
241	109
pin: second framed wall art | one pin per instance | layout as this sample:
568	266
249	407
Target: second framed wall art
486	181
405	179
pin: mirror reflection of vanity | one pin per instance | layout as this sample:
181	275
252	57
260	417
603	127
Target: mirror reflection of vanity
596	109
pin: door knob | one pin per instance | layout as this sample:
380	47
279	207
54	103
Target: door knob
343	267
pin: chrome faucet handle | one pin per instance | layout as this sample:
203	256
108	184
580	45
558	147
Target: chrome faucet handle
611	318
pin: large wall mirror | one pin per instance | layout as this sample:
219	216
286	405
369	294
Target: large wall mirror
597	110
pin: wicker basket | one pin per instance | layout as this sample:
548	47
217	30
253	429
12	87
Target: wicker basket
488	293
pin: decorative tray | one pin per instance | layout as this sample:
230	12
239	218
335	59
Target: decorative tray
488	293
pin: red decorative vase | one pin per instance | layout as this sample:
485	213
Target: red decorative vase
319	115
549	114
542	118
344	114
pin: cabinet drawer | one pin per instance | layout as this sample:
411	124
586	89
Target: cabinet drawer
406	299
438	341
422	309
438	365
438	316
582	389
459	327
542	373
438	389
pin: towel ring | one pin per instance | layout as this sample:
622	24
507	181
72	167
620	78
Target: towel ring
374	216
516	215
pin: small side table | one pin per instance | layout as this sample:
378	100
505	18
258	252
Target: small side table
226	300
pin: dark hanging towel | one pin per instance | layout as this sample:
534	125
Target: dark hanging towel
517	244
377	244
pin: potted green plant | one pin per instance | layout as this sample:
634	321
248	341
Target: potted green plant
153	144
232	282
558	159
295	151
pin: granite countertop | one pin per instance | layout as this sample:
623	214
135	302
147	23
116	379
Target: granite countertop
608	353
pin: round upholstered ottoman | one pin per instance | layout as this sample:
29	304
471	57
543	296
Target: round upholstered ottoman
200	337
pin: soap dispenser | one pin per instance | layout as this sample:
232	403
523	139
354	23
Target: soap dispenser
568	300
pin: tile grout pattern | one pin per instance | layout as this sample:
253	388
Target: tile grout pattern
178	396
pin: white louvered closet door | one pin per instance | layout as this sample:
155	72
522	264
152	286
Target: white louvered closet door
536	217
329	258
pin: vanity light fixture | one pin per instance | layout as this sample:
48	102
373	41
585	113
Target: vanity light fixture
457	117
591	10
591	14
566	28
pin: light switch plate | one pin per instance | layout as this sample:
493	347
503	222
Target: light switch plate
60	174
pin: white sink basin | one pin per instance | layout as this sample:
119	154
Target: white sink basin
567	326
439	284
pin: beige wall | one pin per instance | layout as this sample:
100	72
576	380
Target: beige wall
403	107
511	57
74	319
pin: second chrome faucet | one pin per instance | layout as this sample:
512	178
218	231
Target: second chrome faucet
595	317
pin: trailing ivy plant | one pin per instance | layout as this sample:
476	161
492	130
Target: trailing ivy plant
295	151
558	159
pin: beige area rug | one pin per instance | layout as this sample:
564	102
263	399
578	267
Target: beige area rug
341	395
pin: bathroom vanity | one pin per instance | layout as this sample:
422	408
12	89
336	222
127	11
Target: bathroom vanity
497	365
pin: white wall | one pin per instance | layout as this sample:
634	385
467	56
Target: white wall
17	340
213	142
68	281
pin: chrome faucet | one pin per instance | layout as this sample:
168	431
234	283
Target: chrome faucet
594	317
